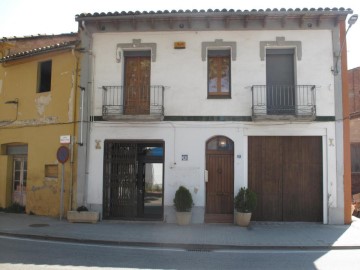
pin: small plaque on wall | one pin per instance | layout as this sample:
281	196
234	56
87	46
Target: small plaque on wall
179	45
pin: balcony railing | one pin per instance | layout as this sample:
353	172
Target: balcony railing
283	101
126	102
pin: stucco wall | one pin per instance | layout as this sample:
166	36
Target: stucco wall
38	121
5	181
180	140
184	74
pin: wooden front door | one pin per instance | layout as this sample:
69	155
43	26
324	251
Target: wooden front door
137	85
286	173
220	183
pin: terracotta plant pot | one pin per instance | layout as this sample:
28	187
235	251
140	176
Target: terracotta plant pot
183	218
242	219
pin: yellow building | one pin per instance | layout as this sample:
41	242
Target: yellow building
38	101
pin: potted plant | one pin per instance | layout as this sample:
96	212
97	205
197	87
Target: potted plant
183	203
82	214
244	203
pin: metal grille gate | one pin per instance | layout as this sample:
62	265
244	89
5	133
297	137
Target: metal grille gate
120	170
133	180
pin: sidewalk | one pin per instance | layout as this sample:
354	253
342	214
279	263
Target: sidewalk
264	235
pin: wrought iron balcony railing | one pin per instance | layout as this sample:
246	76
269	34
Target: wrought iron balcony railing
279	101
121	101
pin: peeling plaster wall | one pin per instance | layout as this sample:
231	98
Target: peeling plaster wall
40	121
71	99
41	103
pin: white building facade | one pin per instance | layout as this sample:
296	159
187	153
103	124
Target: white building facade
213	101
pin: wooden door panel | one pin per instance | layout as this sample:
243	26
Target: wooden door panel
220	187
137	85
265	176
286	173
302	179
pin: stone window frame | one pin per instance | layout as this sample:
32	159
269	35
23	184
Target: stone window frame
281	42
135	45
218	44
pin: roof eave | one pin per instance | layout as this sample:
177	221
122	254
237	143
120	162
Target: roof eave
260	13
36	52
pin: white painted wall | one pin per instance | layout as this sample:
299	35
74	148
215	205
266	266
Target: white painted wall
185	74
180	140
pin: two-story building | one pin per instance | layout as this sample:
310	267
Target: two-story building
38	105
215	100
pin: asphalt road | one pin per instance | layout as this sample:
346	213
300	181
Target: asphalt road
30	254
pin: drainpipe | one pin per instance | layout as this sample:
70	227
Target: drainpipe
87	79
75	83
81	115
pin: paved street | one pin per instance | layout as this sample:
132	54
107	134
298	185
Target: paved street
42	254
35	242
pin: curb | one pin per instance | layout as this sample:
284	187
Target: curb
186	247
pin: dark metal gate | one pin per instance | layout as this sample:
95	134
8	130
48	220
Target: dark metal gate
126	194
120	166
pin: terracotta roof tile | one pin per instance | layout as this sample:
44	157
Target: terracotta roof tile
82	16
36	51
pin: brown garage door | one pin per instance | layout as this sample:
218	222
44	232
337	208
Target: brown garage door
286	173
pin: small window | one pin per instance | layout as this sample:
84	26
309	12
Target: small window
219	74
44	76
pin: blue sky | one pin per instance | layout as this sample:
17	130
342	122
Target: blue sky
32	17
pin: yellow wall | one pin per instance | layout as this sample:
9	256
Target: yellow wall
41	119
5	180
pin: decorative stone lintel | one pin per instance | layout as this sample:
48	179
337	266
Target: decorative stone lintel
135	45
280	42
218	43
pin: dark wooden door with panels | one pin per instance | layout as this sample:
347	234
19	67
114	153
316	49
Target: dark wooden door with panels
287	174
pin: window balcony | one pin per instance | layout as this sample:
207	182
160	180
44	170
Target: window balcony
142	102
283	102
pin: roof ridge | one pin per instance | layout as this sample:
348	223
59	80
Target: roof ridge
195	11
58	45
4	39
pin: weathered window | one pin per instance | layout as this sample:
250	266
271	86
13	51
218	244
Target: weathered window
219	72
44	76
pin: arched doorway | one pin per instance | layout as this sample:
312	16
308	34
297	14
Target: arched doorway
220	181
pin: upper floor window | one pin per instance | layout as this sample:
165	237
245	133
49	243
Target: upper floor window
219	70
44	76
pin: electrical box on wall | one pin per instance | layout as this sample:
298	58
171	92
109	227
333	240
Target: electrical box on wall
179	45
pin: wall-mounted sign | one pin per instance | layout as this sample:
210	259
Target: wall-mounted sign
62	154
179	45
64	139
